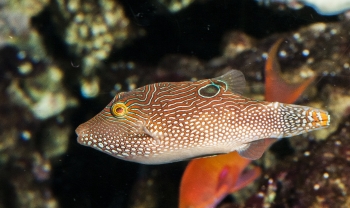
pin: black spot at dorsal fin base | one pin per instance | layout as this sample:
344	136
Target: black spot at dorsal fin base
209	90
234	81
254	150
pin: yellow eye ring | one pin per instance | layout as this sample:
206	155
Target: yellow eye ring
119	109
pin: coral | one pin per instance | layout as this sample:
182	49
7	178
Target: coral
56	140
15	28
95	28
176	5
315	178
323	7
43	94
32	91
235	43
29	191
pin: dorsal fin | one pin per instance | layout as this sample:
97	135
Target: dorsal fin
254	150
234	81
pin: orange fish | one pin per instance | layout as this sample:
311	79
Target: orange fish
285	92
207	181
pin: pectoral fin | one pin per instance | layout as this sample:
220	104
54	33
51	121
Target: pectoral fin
254	150
155	135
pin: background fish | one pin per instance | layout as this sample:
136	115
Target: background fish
206	181
173	121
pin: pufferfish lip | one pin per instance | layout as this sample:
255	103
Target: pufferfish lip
81	132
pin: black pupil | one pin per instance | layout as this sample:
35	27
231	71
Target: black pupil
209	90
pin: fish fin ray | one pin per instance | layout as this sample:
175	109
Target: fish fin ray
234	81
254	150
285	92
246	178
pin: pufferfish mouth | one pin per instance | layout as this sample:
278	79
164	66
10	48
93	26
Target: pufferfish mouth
81	132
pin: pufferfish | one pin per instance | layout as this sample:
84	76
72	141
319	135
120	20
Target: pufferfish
173	121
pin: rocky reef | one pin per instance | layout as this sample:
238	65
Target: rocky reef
62	61
315	177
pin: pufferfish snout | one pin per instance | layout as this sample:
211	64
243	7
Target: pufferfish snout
172	121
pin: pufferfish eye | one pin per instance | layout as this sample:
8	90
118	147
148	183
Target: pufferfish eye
119	109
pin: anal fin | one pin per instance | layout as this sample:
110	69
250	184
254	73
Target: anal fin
254	150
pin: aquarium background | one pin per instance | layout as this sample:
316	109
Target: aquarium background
62	61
